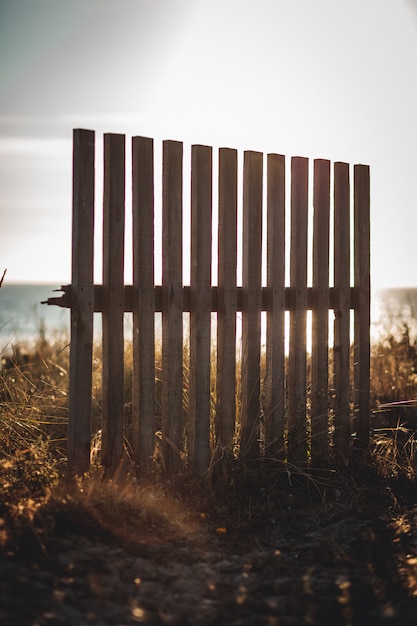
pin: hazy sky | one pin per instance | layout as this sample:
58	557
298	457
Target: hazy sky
316	78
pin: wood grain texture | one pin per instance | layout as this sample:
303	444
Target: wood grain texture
226	300
143	393
297	376
363	304
320	313
200	314
172	307
82	302
251	309
113	310
275	405
341	348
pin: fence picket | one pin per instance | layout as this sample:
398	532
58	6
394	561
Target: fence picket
362	304
143	393
113	310
251	309
226	300
200	314
341	349
172	305
82	302
297	433
320	315
275	405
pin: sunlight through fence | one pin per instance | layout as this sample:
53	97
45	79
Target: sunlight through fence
303	405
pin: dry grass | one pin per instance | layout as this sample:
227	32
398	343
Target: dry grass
33	414
33	396
394	383
33	410
394	370
34	491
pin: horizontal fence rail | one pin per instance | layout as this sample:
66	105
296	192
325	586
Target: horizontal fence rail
130	293
213	400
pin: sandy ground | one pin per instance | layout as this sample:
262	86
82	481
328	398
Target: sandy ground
326	560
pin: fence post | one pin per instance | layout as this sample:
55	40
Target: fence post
113	301
320	312
275	318
200	309
297	427
82	302
143	392
362	304
251	308
172	309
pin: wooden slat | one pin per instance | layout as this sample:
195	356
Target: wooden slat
143	398
226	300
200	316
172	324
82	302
65	300
251	314
341	349
297	439
320	315
362	310
275	319
113	281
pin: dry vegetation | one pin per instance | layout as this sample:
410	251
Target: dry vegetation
33	406
37	503
33	403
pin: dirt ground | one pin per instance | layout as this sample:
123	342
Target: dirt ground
328	556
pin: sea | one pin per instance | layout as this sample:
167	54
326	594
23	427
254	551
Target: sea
23	319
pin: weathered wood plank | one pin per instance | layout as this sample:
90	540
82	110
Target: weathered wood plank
251	314
226	300
200	315
143	394
275	405
65	300
82	302
362	310
113	292
172	306
297	427
320	314
341	348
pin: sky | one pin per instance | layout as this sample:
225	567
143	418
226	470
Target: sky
315	78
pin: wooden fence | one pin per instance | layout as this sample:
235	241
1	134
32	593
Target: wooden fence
301	404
